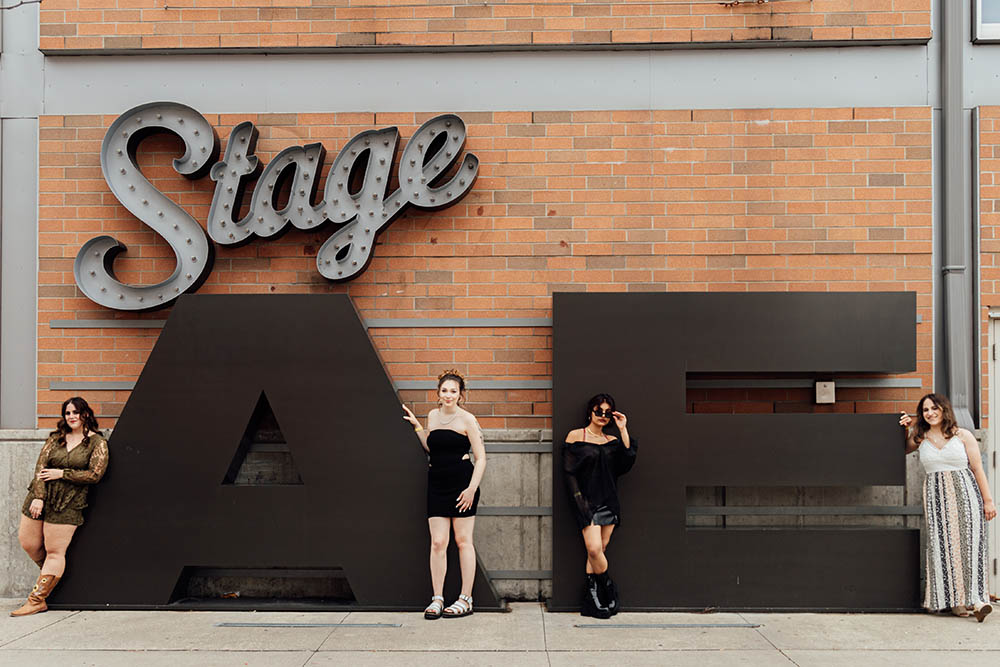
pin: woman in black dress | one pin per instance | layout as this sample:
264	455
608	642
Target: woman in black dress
452	489
592	462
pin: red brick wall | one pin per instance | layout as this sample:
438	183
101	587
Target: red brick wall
665	200
989	234
156	24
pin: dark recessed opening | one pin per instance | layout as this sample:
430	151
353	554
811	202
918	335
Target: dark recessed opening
262	457
219	584
356	179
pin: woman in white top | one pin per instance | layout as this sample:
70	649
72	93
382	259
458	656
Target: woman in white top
957	504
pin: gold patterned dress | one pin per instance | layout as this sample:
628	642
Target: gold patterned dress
82	466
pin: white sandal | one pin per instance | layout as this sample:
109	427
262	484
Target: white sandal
435	608
982	611
461	607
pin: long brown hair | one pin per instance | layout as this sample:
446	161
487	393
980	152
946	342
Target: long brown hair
949	425
86	416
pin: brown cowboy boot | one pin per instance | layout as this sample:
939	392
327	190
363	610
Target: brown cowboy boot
36	599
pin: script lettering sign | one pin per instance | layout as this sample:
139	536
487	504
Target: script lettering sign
359	214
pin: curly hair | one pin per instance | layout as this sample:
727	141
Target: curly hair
86	416
949	425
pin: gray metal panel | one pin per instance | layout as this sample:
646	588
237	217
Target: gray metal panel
957	302
21	75
18	270
514	511
479	384
520	574
682	79
972	171
800	383
380	323
856	510
519	448
76	385
106	324
457	322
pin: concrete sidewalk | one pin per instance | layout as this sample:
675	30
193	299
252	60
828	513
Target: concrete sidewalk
526	636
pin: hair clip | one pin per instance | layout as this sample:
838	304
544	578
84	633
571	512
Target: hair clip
451	371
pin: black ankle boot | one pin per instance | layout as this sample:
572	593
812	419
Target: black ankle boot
592	605
608	592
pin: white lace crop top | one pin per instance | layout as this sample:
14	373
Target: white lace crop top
950	457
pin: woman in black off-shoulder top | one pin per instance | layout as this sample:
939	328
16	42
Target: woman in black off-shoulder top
592	462
452	439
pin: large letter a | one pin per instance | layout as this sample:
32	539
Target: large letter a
164	506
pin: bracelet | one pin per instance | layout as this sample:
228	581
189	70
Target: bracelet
418	428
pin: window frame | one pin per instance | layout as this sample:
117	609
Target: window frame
983	32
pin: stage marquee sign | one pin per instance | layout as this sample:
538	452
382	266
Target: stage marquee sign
360	215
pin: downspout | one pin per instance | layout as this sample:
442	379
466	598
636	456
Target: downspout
957	261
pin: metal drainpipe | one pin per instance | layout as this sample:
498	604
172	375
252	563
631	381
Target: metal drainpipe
957	263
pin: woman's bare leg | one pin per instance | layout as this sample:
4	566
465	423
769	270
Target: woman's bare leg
29	534
605	538
440	528
466	551
592	540
57	539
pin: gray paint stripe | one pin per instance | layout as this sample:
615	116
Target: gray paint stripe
858	510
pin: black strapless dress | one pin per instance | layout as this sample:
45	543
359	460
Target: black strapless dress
449	474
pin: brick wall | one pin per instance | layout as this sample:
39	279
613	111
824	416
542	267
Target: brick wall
212	24
664	200
989	235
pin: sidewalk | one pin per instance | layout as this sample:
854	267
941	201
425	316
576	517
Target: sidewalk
526	636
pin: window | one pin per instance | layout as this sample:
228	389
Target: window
986	20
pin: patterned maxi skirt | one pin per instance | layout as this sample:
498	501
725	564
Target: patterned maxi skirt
956	541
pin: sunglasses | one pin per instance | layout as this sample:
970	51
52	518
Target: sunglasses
604	413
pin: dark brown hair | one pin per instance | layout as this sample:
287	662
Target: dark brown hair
86	416
594	402
949	425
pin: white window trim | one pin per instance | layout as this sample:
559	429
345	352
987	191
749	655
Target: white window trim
988	32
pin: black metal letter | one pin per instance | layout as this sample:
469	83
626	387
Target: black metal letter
640	349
